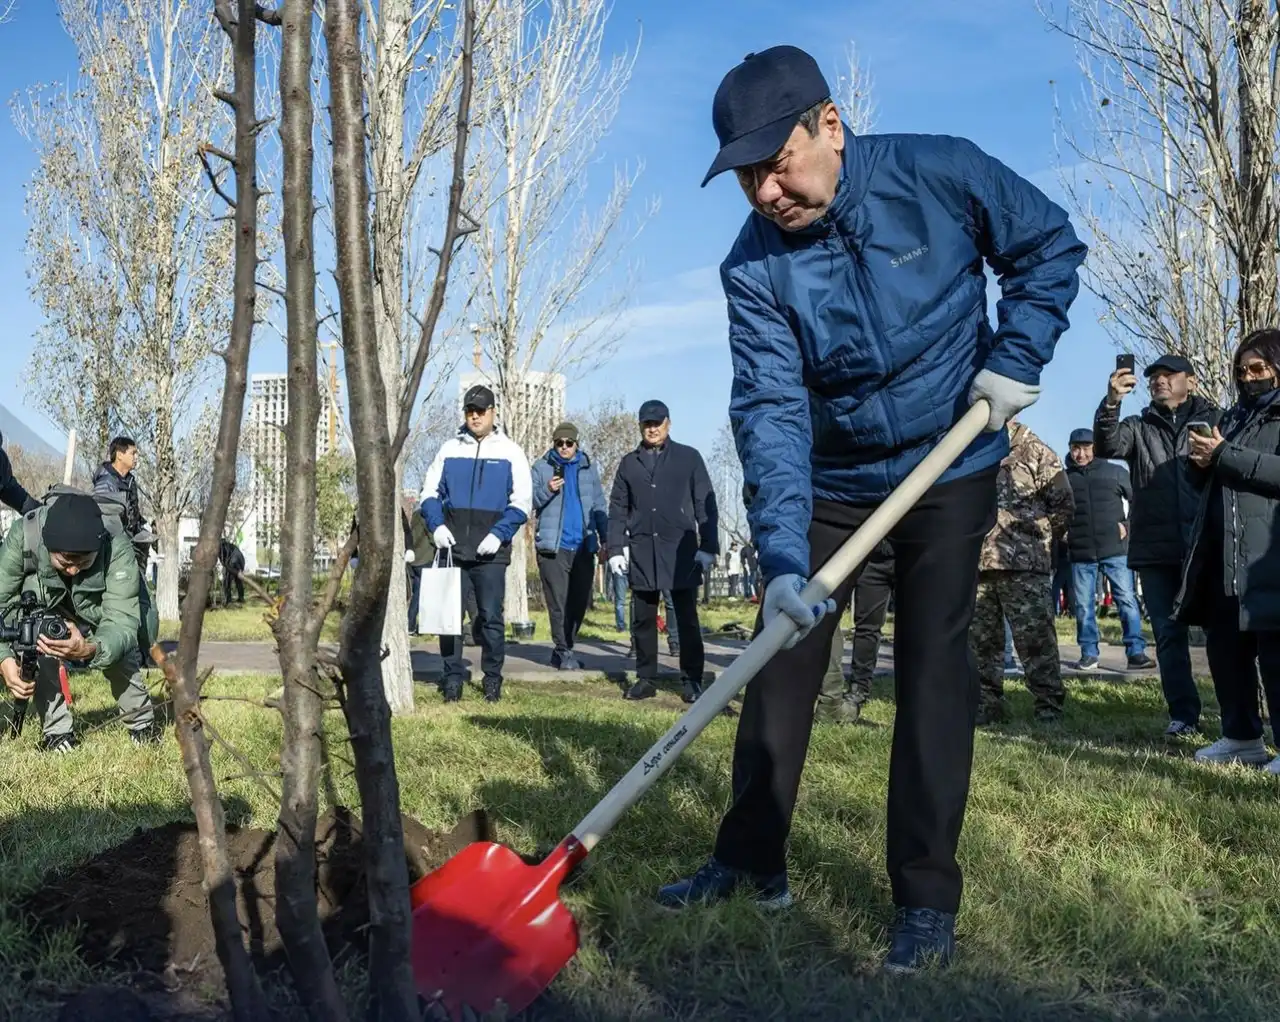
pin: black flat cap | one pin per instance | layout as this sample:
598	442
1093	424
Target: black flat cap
1081	436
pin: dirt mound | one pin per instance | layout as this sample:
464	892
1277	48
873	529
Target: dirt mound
141	906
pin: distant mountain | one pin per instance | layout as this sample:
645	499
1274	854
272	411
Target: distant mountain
18	434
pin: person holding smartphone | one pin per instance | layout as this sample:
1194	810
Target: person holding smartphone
1231	583
1156	444
573	524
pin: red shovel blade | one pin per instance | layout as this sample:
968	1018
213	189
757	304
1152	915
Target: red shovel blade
487	927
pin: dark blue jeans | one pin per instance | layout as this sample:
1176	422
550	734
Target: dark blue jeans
1085	579
1160	588
620	586
488	582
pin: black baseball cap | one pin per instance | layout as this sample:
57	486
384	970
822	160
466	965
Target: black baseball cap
1080	436
653	411
478	396
759	102
1170	364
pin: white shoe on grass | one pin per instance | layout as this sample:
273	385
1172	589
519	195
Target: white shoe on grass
1274	766
1252	751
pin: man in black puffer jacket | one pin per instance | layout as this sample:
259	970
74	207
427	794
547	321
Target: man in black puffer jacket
1097	541
1165	498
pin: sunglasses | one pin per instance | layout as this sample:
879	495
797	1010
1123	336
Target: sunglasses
1257	370
565	443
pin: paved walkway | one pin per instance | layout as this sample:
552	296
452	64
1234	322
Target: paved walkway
531	661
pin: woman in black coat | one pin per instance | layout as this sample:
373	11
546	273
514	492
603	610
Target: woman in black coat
1231	580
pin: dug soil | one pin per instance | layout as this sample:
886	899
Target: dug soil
140	906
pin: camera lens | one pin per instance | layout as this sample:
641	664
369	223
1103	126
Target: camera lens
53	627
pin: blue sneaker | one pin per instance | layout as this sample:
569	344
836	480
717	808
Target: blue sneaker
921	938
715	882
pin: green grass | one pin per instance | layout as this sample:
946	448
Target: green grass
247	623
1107	877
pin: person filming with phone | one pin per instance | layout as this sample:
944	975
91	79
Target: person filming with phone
573	526
1156	444
1232	578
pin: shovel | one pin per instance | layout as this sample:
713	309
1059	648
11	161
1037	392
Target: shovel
490	929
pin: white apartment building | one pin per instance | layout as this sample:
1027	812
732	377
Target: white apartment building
268	413
541	399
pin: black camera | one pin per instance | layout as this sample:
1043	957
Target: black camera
30	621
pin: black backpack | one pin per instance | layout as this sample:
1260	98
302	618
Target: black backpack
113	517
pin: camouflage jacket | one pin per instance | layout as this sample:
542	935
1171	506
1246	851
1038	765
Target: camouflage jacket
1035	506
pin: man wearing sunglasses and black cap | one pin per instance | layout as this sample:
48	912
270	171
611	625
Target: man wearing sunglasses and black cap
859	336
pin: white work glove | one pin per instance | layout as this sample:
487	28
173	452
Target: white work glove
408	557
1007	397
489	546
443	537
782	596
618	564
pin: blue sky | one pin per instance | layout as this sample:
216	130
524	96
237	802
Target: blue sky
980	70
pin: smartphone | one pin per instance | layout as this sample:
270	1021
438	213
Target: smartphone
559	472
1200	429
1124	362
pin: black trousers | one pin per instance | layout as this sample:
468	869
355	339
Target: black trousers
567	577
231	577
644	629
870	606
488	581
1236	659
936	547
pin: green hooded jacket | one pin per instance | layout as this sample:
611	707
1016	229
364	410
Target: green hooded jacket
102	599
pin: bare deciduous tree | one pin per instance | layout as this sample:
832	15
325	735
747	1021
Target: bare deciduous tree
378	446
132	271
726	478
1173	173
247	1001
297	626
609	430
854	94
410	81
548	98
34	470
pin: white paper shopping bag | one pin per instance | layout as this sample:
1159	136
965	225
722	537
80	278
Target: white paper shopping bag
440	598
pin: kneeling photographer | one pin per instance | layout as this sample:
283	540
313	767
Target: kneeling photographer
71	586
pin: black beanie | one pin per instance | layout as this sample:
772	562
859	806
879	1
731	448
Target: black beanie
73	524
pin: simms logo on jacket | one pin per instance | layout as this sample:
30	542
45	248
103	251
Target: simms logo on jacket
906	257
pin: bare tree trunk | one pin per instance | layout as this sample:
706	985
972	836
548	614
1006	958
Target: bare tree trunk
300	751
516	601
247	1002
393	996
167	605
1255	43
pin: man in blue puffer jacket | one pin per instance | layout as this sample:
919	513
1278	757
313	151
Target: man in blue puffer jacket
573	525
859	336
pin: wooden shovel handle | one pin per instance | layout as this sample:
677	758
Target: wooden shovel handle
641	777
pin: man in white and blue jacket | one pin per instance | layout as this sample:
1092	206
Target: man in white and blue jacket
859	336
573	525
476	495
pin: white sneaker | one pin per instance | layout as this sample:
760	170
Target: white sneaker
1234	750
1274	767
